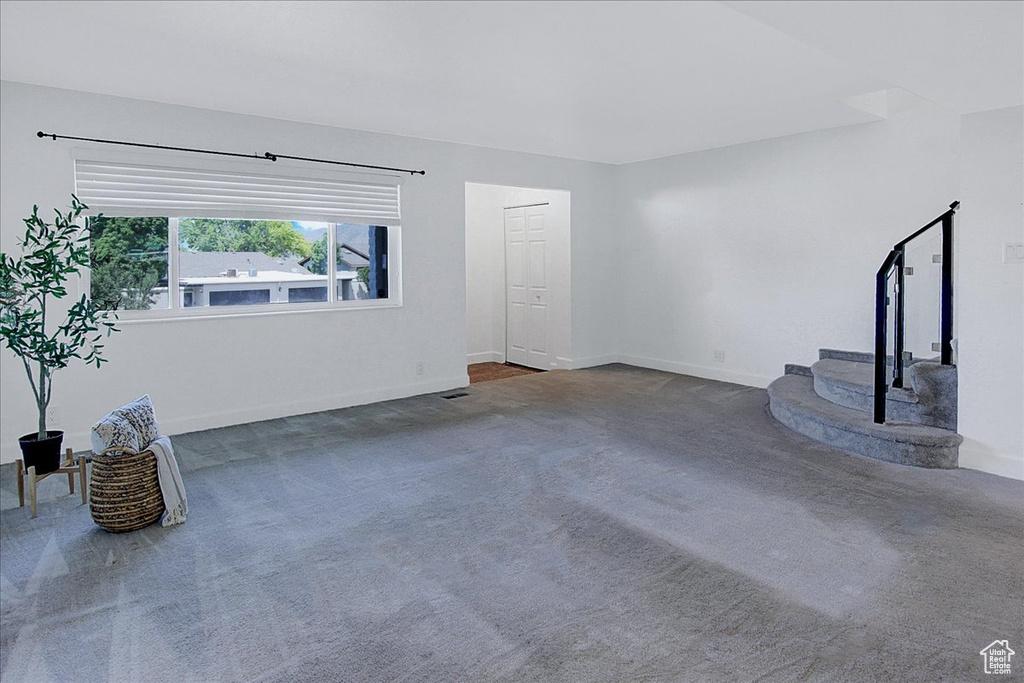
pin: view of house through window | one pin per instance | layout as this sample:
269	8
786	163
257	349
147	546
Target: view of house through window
362	261
227	262
239	263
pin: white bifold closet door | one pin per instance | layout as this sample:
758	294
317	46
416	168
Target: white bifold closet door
526	282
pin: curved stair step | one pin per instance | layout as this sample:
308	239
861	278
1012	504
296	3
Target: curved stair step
852	385
862	356
794	403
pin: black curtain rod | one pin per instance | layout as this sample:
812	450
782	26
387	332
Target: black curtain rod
266	156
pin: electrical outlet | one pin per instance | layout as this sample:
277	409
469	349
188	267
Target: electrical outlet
419	368
719	356
52	416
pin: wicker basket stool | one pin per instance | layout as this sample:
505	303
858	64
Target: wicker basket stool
124	491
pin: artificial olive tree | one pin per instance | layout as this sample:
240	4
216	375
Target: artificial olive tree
29	285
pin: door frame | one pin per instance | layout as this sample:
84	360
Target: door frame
486	317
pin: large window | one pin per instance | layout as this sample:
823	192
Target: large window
177	241
235	263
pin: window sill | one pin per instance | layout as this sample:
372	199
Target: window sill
133	318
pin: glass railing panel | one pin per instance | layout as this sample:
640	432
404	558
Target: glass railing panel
923	290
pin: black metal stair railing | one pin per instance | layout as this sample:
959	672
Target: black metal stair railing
895	263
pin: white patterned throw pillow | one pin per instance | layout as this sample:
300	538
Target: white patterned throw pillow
141	415
128	429
114	434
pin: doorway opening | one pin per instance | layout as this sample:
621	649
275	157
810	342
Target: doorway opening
490	371
517	280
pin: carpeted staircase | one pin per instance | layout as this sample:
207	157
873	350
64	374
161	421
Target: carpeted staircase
831	401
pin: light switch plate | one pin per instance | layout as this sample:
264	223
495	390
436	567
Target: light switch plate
1013	252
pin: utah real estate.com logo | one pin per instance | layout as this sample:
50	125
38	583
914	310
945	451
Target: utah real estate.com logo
997	657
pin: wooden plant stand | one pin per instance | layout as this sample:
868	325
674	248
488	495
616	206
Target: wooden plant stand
68	467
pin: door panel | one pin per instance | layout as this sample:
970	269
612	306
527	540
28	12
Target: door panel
515	287
526	277
538	328
517	351
538	266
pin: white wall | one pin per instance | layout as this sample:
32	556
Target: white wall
989	294
213	372
768	250
485	269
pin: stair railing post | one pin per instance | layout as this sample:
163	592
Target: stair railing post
946	316
898	332
881	314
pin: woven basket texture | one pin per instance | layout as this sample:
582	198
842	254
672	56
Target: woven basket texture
124	491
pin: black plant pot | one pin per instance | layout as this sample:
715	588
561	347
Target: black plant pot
43	455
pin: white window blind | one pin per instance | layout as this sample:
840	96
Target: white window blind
121	189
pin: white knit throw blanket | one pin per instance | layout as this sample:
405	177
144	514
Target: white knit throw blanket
171	486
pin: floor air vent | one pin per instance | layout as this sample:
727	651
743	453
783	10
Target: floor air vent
457	394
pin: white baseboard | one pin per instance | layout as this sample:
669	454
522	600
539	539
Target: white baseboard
485	357
705	372
976	456
193	423
973	455
594	361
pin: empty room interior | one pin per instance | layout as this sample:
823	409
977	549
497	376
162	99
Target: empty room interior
511	341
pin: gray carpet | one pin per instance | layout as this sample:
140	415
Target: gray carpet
612	524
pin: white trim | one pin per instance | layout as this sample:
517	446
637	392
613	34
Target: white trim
674	367
594	361
332	263
79	441
162	315
485	357
719	374
527	206
395	276
173	267
975	456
